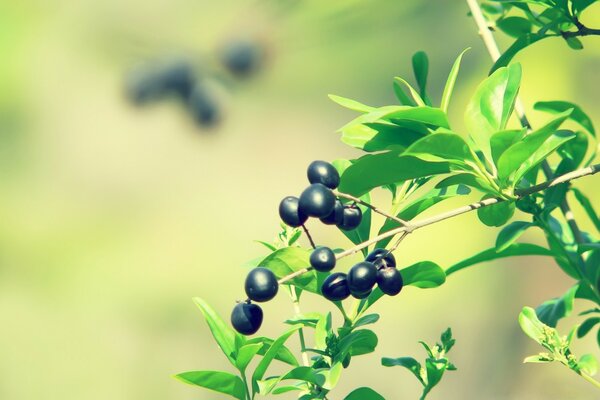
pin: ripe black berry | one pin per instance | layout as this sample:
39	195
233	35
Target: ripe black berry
381	258
335	217
322	259
351	219
389	281
335	287
324	173
246	318
178	78
316	201
362	277
203	105
261	284
360	295
289	212
242	57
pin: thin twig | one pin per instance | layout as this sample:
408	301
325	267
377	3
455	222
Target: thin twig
414	225
372	207
310	239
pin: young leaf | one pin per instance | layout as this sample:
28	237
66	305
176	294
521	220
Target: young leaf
587	326
364	393
510	233
588	207
518	45
414	94
515	249
531	325
383	135
577	115
356	343
245	354
491	106
407	362
444	146
401	95
502	140
549	312
222	382
424	275
351	104
291	259
420	63
467	179
497	214
514	26
366	320
588	364
224	335
283	354
451	81
269	356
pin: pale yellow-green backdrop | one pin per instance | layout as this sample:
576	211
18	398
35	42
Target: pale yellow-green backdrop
112	218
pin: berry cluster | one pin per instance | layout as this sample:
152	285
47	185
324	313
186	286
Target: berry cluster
319	201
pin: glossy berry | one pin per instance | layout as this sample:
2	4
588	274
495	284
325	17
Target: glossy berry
242	57
289	212
381	258
389	281
335	287
360	295
362	277
322	259
178	78
261	284
324	173
351	218
316	201
246	318
335	217
203	105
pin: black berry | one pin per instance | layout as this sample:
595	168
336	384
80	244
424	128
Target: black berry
360	295
351	218
322	259
389	281
290	213
362	277
203	105
261	284
242	57
324	173
178	78
381	258
246	318
335	217
335	287
316	201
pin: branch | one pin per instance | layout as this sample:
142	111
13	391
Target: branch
412	226
372	207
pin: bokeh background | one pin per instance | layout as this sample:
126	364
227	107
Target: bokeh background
112	217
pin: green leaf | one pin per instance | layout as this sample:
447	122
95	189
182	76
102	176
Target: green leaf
224	335
364	393
424	275
222	382
366	320
375	170
291	259
502	140
351	104
492	105
588	207
465	179
413	93
407	362
510	233
382	135
516	155
246	354
420	63
551	311
515	249
451	81
531	325
283	354
574	43
577	115
444	146
356	343
538	359
514	26
588	364
518	45
269	356
587	326
580	5
496	214
401	95
426	115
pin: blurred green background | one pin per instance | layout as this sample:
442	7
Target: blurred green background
113	217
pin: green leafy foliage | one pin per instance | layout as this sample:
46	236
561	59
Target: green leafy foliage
436	363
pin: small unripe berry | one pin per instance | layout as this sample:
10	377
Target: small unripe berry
261	284
324	173
335	287
381	258
316	201
335	217
290	213
322	259
389	281
351	218
362	277
246	318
